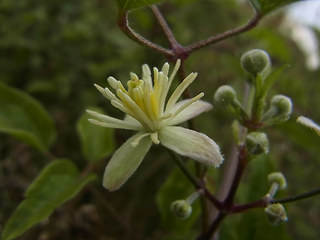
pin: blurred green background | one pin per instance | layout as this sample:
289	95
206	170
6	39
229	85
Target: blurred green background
55	50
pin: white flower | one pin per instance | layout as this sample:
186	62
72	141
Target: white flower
148	113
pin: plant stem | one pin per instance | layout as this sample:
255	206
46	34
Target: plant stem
222	36
124	26
213	227
265	201
165	27
242	163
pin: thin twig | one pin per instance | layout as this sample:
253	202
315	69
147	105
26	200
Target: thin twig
217	38
265	201
213	227
124	26
164	26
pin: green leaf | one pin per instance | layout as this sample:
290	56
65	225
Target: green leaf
266	6
96	141
25	118
57	183
176	187
126	5
271	79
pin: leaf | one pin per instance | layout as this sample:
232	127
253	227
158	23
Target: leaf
126	5
25	118
271	79
176	187
266	6
96	141
57	183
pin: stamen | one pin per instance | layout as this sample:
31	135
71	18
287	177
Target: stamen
187	104
154	138
109	94
165	116
113	82
101	90
134	76
134	107
138	138
174	72
114	125
165	69
146	74
180	89
163	95
155	77
112	120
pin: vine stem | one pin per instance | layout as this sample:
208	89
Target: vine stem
222	36
177	50
265	201
124	26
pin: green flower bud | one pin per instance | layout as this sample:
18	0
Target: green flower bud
257	143
224	96
282	104
277	177
255	61
279	110
276	213
181	209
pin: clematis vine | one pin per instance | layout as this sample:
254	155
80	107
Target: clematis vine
154	117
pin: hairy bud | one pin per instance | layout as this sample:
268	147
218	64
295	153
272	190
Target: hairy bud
277	177
181	209
276	213
255	61
257	143
279	110
224	96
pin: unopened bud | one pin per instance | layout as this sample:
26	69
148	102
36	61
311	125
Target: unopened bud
279	110
277	177
224	96
282	104
255	61
276	213
257	143
181	209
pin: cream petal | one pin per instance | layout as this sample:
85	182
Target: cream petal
189	112
195	145
309	123
124	162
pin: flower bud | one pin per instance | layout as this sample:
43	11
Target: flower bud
277	177
257	143
181	209
279	110
224	96
282	104
276	213
255	61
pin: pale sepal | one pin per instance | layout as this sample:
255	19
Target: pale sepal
124	162
309	123
195	145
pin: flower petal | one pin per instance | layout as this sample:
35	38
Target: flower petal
189	112
124	162
309	123
195	145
